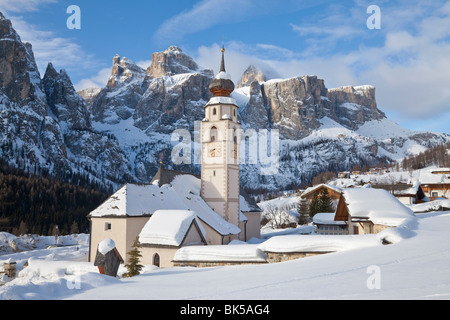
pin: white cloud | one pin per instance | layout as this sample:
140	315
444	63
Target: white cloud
97	81
279	52
144	64
203	15
208	13
330	32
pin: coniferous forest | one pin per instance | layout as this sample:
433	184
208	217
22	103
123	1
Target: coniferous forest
44	205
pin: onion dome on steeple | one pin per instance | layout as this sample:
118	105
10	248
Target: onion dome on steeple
222	86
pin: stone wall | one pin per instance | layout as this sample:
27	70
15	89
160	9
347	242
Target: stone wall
275	257
208	264
272	257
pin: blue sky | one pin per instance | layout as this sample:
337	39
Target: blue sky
407	60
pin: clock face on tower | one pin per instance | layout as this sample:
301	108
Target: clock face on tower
214	149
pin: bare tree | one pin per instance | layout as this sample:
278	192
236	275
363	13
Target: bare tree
279	217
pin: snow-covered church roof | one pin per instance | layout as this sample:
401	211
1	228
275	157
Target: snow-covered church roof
183	193
169	227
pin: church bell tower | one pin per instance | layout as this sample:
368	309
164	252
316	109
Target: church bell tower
220	137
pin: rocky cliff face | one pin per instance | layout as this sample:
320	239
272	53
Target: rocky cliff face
176	90
295	106
171	62
25	122
68	107
355	105
46	126
19	75
122	93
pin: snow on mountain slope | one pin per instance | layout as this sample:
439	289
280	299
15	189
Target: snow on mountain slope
383	129
331	130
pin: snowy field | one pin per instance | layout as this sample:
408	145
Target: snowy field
417	266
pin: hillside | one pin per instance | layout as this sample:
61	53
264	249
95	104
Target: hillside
44	205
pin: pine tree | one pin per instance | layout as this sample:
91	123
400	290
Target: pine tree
74	228
303	211
325	204
314	206
133	266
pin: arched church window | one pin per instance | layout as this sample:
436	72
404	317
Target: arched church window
156	260
214	111
213	134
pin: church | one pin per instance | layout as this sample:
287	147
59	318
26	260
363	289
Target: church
178	209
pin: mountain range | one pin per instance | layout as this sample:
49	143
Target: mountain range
123	131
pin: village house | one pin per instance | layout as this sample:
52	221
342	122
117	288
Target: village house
334	193
344	175
325	223
369	210
178	209
436	183
406	193
445	171
437	190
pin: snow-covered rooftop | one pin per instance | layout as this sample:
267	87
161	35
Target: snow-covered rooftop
222	100
182	194
223	75
326	218
331	187
436	205
138	200
168	227
377	205
106	246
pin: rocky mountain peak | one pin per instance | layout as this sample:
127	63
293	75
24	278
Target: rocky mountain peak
250	75
6	29
174	49
124	71
362	95
121	94
64	102
50	72
171	62
19	75
89	95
